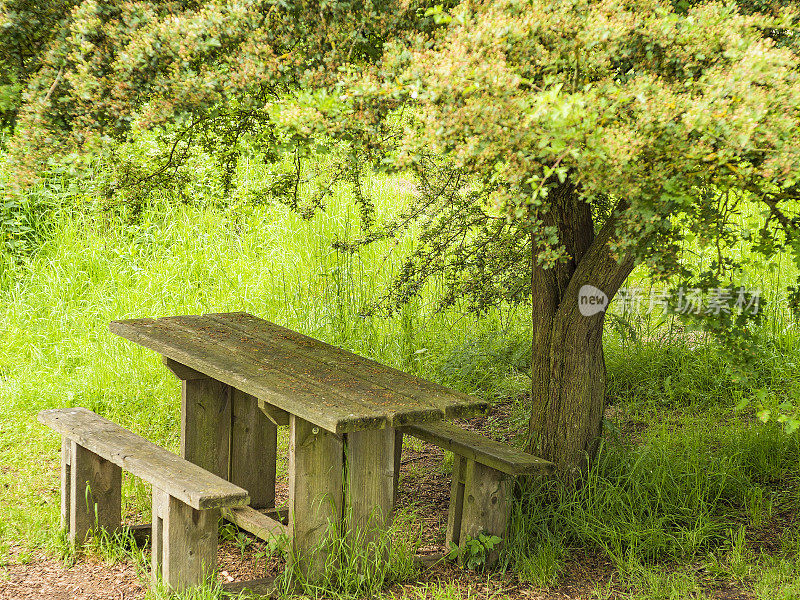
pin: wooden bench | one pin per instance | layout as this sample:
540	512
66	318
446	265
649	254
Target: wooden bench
481	489
186	498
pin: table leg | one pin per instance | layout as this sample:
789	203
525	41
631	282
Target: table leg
206	424
223	431
254	442
316	461
398	456
370	483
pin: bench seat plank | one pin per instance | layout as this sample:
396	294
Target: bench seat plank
474	446
169	472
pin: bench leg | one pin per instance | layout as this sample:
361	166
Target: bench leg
66	483
91	492
455	510
486	506
184	542
316	472
254	443
370	483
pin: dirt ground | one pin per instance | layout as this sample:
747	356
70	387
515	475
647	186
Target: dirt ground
36	575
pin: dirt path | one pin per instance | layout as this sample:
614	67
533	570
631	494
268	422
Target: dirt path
42	577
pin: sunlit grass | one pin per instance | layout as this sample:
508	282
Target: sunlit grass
666	498
56	350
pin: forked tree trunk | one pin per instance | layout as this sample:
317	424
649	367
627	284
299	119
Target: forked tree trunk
568	367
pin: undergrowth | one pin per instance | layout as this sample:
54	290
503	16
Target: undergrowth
672	498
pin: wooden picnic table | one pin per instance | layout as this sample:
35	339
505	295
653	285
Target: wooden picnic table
242	377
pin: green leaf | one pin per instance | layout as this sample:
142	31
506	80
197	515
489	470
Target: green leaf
454	551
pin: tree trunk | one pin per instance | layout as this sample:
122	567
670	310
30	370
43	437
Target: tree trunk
568	367
570	392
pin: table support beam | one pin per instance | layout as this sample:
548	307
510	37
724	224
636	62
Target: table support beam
254	443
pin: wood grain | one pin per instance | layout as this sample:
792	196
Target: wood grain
95	498
473	445
316	487
451	403
262	526
185	553
487	502
332	388
277	415
66	482
456	508
206	424
254	443
370	483
317	403
180	371
184	480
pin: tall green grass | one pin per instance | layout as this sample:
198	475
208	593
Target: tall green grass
94	267
675	493
673	497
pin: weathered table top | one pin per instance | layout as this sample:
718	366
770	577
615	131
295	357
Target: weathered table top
330	387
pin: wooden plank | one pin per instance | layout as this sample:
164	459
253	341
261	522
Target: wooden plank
206	424
472	445
262	526
254	444
187	549
313	402
180	371
316	472
255	588
398	456
370	460
66	483
95	493
140	533
456	508
450	403
158	499
186	481
487	504
359	394
273	413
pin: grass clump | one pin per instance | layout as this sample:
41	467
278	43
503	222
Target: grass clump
358	565
543	565
675	497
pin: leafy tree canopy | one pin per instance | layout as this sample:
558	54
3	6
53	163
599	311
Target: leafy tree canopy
556	144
